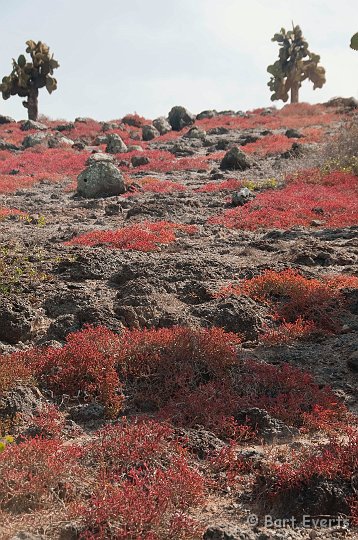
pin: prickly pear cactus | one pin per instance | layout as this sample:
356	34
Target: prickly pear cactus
354	42
27	77
295	64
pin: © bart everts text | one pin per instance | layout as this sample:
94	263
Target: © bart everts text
306	521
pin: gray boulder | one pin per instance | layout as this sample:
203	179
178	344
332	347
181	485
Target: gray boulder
6	119
55	142
115	145
179	118
349	103
352	361
149	133
235	160
31	124
99	156
33	140
206	114
195	133
106	126
100	180
65	127
162	125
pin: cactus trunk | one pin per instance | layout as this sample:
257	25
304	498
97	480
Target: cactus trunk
32	104
294	93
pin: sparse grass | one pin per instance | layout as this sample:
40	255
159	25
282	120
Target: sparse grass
18	269
341	152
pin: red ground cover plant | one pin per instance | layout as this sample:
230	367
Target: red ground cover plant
213	187
271	144
162	161
36	473
305	115
145	485
36	164
287	332
87	130
135	120
44	161
198	390
83	368
13	134
10	183
312	134
285	392
13	371
49	421
155	185
335	461
229	468
195	356
208	384
204	390
150	507
331	199
144	236
295	299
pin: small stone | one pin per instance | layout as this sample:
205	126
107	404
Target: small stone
242	197
195	133
137	161
293	134
235	159
179	118
135	148
113	209
65	127
206	114
316	223
83	120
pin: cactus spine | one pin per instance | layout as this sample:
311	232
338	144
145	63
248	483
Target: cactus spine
295	64
27	78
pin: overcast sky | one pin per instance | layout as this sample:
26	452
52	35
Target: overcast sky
144	56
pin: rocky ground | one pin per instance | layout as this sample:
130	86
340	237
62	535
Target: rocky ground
49	289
